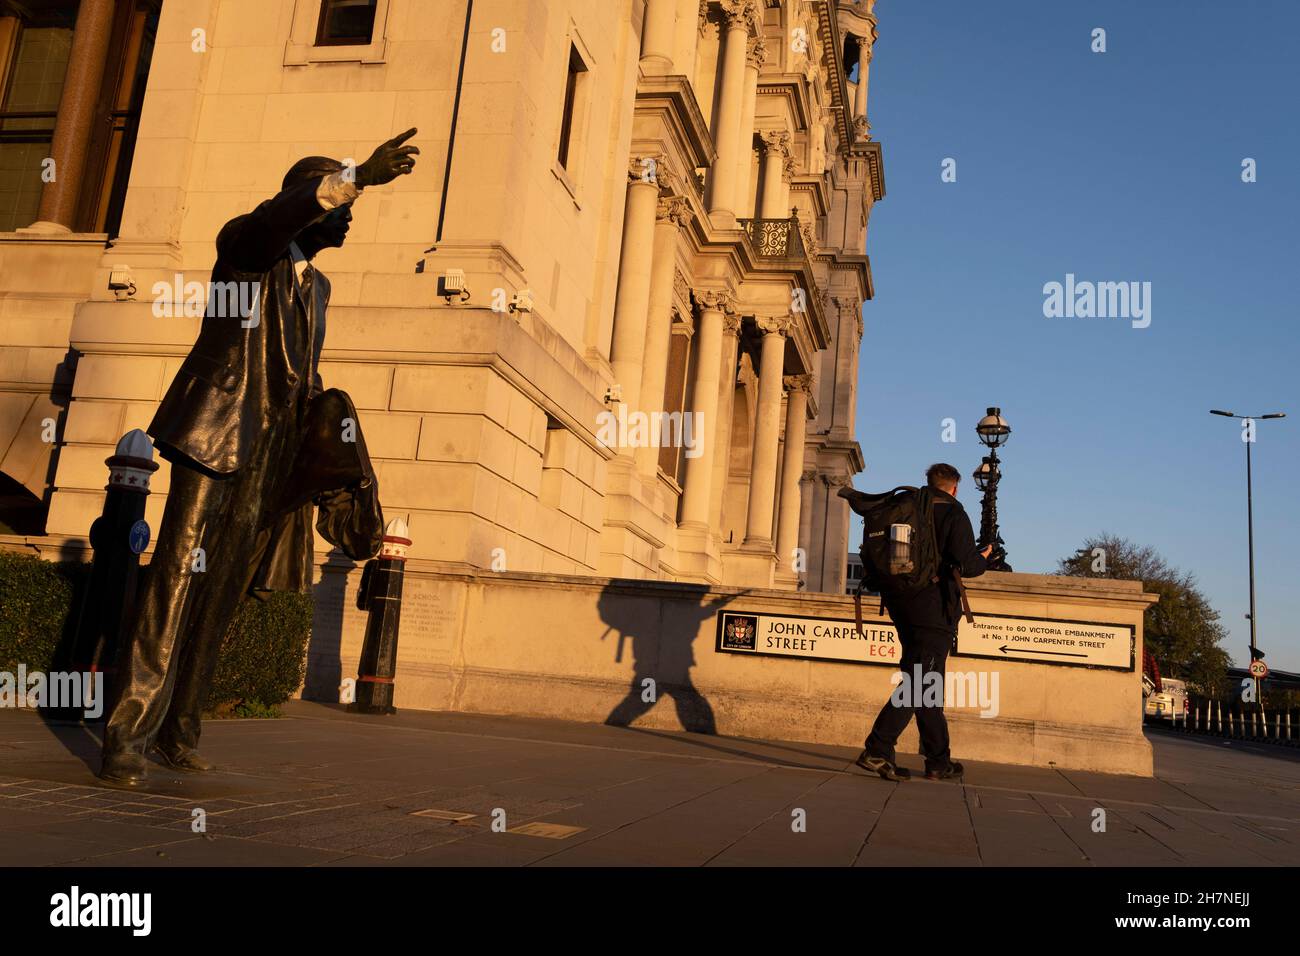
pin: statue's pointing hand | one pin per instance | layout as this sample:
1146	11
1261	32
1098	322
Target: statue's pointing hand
388	161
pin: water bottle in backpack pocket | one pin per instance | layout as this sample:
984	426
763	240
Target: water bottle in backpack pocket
900	549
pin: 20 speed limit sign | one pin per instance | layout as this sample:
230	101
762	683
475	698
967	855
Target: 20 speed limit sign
1258	669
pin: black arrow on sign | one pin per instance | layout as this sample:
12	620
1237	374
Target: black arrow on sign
1025	650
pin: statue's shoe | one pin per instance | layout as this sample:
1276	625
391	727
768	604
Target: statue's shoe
184	758
124	769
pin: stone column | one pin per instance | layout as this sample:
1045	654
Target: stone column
679	357
776	191
796	423
726	129
657	36
686	36
866	40
864	64
73	128
835	567
670	214
816	541
726	410
767	431
755	57
805	518
704	399
628	346
848	336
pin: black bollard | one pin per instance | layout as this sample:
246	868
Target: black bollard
381	595
118	536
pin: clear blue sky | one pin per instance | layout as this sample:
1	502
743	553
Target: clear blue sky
1115	166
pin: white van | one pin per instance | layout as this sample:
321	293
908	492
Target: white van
1172	700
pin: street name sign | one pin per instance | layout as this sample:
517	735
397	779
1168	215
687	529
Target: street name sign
999	637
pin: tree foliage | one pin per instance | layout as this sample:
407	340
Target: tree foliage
1182	630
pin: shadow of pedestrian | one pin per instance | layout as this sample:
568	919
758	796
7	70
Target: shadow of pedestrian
662	629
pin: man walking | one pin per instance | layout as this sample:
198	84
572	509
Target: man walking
230	425
927	627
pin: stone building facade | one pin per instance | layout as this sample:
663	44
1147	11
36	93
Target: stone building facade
625	212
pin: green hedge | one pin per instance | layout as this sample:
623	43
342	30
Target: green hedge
263	657
35	597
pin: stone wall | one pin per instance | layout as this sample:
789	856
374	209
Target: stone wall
579	648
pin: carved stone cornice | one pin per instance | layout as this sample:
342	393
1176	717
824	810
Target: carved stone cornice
850	306
682	324
646	168
776	142
774	324
798	383
746	12
717	300
674	209
681	287
809	234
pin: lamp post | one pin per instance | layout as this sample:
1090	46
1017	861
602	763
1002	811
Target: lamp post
1248	439
993	432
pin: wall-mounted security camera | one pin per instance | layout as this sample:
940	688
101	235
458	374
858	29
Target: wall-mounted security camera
451	284
522	301
614	395
121	283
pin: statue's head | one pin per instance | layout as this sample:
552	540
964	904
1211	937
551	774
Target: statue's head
332	228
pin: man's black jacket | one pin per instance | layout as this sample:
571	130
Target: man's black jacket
940	605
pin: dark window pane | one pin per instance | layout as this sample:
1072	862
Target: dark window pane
346	22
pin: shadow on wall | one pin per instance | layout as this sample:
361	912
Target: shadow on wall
662	632
324	651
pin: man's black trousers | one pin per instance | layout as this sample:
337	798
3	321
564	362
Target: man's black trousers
926	647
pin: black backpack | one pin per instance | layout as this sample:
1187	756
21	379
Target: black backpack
889	566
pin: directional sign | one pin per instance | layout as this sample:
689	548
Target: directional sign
1258	669
1004	637
138	536
1078	643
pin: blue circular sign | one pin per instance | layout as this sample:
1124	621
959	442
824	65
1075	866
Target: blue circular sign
138	538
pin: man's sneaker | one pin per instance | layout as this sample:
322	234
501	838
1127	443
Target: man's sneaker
953	770
882	766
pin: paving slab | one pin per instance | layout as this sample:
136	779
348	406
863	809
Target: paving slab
320	787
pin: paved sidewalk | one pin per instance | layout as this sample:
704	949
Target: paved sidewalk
322	787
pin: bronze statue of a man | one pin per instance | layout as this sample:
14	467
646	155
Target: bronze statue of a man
231	425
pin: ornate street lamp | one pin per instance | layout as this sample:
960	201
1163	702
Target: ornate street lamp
993	432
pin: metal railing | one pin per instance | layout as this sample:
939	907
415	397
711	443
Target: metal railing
775	238
1238	721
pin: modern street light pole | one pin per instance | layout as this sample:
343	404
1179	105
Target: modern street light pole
1249	440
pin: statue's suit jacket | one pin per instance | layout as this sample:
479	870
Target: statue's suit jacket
236	380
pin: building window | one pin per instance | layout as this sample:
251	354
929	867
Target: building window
572	88
33	58
346	22
35	40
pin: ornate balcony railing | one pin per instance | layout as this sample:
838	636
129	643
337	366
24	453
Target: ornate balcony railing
775	238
